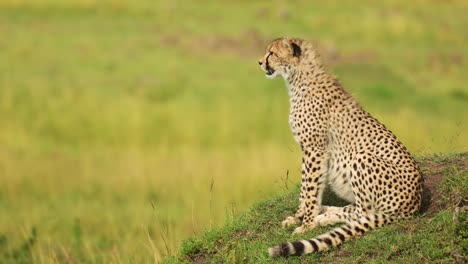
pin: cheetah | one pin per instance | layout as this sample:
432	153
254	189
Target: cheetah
343	146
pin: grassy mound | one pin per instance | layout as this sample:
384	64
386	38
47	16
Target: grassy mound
438	234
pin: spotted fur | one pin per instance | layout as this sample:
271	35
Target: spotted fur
342	145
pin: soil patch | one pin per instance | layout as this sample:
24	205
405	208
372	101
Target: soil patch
433	171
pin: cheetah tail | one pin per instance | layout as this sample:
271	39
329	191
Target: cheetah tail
332	238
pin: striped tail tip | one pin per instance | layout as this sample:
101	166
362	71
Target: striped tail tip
286	249
274	251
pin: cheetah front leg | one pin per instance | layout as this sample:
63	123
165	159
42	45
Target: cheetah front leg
298	216
313	169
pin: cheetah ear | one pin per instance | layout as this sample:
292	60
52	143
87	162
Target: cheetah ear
296	50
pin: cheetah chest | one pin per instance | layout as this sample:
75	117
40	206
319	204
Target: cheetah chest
301	125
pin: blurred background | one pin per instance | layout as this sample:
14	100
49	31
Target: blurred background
127	126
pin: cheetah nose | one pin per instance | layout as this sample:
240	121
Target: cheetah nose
260	62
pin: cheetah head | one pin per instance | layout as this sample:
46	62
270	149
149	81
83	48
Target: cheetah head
281	57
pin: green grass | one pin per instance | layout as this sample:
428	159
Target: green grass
431	237
116	117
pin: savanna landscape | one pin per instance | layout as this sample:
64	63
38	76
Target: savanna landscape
127	127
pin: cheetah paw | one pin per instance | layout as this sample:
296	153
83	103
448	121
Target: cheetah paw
303	228
299	230
289	221
326	219
321	220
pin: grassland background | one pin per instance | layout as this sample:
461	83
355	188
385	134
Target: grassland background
128	126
